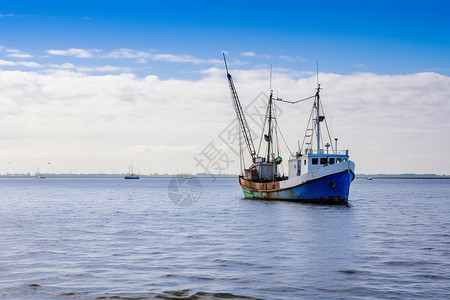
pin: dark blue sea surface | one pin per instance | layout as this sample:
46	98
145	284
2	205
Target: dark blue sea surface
145	239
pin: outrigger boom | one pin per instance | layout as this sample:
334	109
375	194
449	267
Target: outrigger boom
240	114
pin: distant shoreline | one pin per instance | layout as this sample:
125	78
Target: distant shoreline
370	177
115	176
202	175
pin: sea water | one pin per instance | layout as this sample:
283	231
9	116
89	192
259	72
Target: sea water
156	238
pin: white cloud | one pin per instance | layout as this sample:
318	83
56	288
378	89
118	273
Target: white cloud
358	65
194	149
17	54
292	59
7	15
127	53
143	57
107	68
141	61
87	69
140	56
62	66
94	123
236	62
111	114
6	63
28	64
48	67
80	53
183	59
248	54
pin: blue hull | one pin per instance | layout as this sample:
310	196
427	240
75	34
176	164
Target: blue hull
329	189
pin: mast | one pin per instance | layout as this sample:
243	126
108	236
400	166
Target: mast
240	114
318	118
269	142
269	139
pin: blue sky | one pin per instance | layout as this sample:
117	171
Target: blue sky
89	85
384	37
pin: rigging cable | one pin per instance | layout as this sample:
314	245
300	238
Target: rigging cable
328	131
282	137
276	130
262	132
307	128
294	102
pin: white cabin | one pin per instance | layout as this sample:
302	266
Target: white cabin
305	163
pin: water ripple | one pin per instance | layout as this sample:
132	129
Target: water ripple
111	239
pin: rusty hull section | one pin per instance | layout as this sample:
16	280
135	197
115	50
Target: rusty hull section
332	189
259	186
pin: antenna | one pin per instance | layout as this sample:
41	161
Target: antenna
271	78
317	73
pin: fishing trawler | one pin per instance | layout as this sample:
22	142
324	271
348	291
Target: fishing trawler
316	173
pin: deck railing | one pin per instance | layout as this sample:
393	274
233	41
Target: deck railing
323	151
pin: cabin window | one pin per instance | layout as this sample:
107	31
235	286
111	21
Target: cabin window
338	160
331	161
304	162
345	159
323	160
315	161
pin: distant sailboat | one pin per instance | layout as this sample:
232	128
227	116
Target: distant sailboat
131	174
39	175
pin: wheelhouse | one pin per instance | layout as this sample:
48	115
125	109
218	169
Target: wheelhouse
303	164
